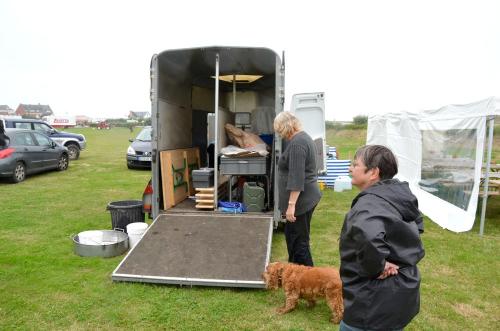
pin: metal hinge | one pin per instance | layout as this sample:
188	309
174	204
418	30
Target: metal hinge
151	94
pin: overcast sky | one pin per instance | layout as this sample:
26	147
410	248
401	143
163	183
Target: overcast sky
92	57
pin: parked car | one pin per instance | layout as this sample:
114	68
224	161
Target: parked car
28	152
139	151
103	125
74	142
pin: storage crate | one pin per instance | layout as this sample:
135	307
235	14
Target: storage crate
243	166
203	177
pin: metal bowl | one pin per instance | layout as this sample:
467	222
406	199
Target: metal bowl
103	243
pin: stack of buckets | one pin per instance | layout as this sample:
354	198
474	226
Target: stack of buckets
128	214
135	232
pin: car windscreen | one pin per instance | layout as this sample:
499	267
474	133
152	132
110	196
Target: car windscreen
144	135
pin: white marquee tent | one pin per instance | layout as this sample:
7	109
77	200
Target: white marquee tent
440	155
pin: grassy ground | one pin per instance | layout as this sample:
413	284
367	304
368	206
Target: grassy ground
44	285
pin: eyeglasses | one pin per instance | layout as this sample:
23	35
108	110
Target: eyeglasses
354	164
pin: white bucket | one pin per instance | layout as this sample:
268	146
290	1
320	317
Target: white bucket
135	232
342	183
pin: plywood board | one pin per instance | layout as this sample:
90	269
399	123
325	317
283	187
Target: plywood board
192	156
174	184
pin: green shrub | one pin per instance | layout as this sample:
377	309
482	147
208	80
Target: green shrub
360	119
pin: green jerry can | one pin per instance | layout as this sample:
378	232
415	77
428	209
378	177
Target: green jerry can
253	197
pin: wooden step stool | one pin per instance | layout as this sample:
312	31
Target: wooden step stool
205	198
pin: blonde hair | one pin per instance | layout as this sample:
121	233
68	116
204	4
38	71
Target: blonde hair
286	124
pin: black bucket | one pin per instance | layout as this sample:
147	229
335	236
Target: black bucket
125	212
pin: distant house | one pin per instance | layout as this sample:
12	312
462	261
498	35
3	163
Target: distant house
34	111
82	120
138	115
6	110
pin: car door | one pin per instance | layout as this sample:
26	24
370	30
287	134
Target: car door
29	151
310	110
48	153
43	128
22	125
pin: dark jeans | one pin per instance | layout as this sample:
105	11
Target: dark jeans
297	239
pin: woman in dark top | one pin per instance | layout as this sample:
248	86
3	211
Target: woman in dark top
298	187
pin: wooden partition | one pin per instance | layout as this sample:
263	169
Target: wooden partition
176	172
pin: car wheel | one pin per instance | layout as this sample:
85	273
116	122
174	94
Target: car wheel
19	172
74	151
62	164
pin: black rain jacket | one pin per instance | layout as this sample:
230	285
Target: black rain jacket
384	224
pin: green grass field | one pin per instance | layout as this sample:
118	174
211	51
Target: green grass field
45	286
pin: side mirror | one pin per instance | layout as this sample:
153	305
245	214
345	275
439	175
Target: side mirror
131	140
53	144
52	131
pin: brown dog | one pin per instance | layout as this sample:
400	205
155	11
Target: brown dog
309	283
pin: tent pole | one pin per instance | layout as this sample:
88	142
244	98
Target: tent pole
491	121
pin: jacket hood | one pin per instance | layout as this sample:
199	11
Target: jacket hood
397	194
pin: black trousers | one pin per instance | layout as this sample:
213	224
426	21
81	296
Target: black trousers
297	239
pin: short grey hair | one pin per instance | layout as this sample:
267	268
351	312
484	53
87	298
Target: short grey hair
378	156
286	123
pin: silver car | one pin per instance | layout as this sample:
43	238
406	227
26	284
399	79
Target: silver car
27	152
139	151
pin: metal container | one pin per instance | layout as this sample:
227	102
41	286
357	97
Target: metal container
103	243
253	197
203	177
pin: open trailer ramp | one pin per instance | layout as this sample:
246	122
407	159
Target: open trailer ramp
194	249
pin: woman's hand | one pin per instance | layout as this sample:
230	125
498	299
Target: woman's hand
390	269
290	213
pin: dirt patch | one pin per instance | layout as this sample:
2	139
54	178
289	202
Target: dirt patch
444	271
467	310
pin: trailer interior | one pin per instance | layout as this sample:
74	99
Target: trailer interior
188	93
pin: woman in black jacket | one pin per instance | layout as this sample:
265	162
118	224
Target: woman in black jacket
380	246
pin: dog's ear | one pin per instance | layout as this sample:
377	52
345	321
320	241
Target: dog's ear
274	271
280	268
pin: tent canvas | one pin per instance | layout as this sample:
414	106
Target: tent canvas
440	155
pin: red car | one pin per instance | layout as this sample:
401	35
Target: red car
103	126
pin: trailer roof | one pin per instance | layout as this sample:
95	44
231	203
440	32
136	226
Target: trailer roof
198	65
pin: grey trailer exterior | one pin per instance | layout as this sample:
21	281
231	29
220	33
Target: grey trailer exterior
186	82
186	246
